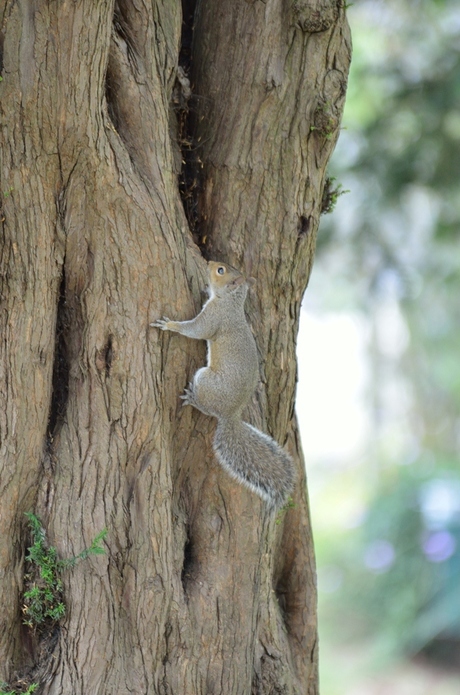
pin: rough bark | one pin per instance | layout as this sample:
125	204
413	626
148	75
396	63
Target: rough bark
199	591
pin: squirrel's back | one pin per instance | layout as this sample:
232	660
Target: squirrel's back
232	350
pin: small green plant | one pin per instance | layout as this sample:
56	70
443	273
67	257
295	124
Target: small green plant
43	599
289	505
31	689
331	194
326	129
94	549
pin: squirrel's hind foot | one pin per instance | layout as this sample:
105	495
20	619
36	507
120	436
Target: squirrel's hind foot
188	397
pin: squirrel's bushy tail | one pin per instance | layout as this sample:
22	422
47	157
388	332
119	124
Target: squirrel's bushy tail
255	460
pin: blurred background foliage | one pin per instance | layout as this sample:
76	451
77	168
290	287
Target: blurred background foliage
386	515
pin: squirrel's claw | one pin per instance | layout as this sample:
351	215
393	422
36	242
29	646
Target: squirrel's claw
187	396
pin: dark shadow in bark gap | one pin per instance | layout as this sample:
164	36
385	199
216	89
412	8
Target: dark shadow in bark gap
188	19
282	591
187	564
40	648
110	98
108	355
303	226
61	369
282	599
183	99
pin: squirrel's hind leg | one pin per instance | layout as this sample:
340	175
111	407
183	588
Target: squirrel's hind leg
189	397
202	391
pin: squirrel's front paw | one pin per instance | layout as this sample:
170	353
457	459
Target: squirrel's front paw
162	323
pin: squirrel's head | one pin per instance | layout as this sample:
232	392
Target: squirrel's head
224	277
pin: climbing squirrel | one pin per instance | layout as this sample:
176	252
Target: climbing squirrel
224	388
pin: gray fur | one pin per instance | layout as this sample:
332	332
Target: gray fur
224	388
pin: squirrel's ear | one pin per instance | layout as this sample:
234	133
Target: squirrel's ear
251	281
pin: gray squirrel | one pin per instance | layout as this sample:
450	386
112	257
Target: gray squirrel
224	388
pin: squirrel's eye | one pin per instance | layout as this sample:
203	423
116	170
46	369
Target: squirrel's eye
221	270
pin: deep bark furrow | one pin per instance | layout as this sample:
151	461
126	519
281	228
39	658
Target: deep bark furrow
61	368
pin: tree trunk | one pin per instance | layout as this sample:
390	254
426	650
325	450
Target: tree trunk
104	143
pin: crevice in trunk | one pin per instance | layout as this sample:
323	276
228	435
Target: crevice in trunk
61	368
282	585
108	355
303	226
281	595
120	37
183	104
187	564
2	37
110	98
123	73
290	597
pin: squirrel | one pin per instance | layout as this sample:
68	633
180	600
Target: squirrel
224	388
